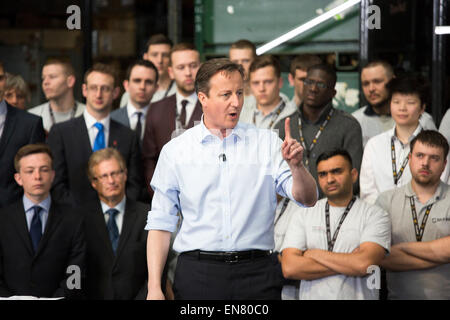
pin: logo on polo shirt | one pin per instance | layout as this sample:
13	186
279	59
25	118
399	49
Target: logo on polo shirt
436	220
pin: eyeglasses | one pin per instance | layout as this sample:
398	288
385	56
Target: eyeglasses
310	83
103	89
113	174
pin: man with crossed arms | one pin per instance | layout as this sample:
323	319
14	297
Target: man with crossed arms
331	246
419	265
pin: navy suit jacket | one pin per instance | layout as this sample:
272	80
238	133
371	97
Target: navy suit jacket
71	149
122	276
21	128
43	273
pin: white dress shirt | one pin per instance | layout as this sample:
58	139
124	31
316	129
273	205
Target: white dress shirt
192	101
92	130
132	112
119	217
3	112
227	205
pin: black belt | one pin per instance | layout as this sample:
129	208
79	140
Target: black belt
228	256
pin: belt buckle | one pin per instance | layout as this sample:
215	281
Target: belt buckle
231	257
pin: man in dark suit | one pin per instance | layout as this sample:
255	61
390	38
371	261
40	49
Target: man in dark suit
41	242
72	142
17	128
177	112
141	83
116	239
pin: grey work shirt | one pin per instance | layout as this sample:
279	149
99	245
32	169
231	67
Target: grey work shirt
364	223
433	283
342	131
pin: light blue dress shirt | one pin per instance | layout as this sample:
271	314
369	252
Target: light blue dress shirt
29	211
226	205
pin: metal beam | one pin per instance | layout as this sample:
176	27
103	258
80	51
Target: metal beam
438	61
174	19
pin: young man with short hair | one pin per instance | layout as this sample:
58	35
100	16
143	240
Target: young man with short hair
73	141
420	214
58	81
42	242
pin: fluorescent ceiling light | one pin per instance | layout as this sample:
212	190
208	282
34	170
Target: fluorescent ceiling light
306	26
442	30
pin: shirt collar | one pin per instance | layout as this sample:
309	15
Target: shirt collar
438	194
131	110
256	110
90	120
28	204
120	206
415	133
322	116
206	135
192	98
3	108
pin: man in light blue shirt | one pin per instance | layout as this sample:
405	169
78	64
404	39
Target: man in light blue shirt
223	177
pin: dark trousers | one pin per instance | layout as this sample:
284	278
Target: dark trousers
257	279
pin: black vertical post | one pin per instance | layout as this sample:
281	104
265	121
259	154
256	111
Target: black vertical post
86	27
174	19
438	61
364	45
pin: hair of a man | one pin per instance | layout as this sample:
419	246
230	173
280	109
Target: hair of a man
210	68
182	46
244	44
303	62
17	83
333	153
144	63
410	84
329	70
386	66
102	155
158	38
431	138
67	66
266	61
102	68
30	149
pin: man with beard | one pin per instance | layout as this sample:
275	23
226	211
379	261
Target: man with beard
177	112
420	214
375	117
318	126
336	268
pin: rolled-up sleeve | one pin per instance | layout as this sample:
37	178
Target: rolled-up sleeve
166	203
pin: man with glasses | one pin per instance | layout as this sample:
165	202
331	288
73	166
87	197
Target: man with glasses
318	126
73	141
115	235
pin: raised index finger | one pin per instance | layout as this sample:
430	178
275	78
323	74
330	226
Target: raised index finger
287	129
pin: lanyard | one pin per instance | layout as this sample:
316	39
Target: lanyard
283	209
316	138
330	241
274	116
396	174
168	88
52	116
419	231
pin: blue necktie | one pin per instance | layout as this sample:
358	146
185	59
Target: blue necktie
99	142
36	227
113	231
